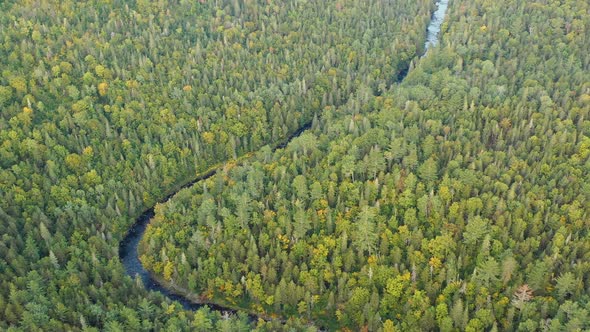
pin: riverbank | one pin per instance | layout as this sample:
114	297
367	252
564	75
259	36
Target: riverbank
131	243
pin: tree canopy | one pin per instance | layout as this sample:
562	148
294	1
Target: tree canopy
454	201
108	106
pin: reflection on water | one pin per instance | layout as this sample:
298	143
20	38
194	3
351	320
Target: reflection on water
128	246
435	23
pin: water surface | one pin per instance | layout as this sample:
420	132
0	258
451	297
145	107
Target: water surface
435	22
128	246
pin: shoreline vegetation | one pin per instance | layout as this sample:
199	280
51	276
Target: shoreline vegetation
456	200
437	19
408	213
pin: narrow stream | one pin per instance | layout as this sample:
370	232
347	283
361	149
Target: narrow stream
128	246
128	254
435	23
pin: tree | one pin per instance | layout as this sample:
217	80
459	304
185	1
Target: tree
202	321
168	270
566	285
476	228
522	295
5	95
348	166
366	237
509	264
300	186
355	305
301	225
375	163
428	170
487	272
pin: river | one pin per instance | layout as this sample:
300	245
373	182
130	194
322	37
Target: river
435	23
128	246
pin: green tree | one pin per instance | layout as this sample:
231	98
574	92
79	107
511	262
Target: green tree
428	170
365	238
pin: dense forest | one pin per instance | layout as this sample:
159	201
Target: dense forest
456	201
109	105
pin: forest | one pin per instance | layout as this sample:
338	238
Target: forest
440	192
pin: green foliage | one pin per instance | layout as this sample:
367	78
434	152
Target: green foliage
107	106
421	206
456	200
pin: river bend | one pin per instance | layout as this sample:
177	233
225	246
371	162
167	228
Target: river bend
128	246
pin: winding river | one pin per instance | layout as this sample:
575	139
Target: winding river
128	246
